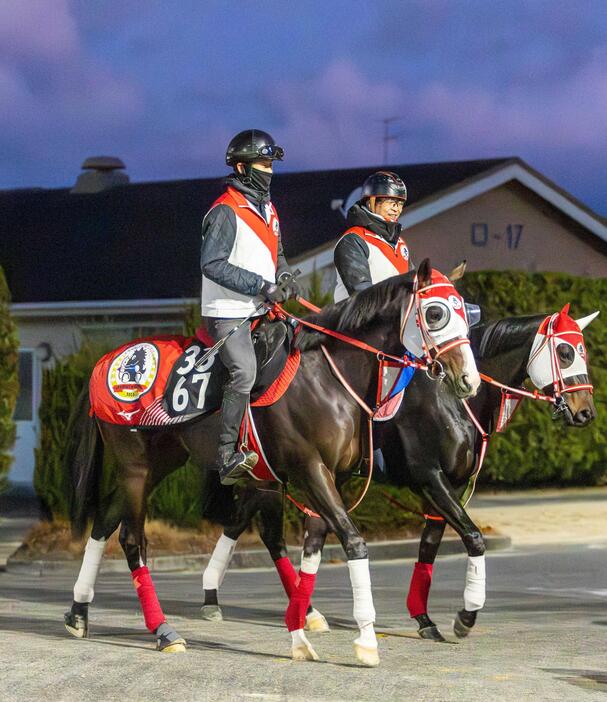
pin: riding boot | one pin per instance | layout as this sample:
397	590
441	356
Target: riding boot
232	462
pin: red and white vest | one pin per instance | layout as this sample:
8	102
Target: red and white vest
385	260
255	249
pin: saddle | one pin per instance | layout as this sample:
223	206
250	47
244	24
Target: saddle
155	381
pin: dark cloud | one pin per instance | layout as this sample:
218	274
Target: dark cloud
164	85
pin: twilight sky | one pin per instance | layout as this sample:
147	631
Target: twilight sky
164	84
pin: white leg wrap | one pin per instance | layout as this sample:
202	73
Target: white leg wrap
364	611
298	638
310	564
474	592
214	573
84	589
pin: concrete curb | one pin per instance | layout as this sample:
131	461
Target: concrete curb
257	558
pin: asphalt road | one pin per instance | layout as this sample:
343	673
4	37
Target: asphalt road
541	637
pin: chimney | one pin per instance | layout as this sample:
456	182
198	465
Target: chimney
100	173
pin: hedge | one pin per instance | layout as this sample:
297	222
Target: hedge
535	450
9	383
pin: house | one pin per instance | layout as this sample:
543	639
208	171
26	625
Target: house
111	260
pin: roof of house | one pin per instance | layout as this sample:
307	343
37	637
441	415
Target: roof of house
142	240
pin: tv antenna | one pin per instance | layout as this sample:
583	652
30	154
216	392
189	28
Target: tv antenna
388	136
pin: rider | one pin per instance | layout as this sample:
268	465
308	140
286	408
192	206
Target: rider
372	248
243	265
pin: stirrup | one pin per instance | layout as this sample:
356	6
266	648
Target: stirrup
239	465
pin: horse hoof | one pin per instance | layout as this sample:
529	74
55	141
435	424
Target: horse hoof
168	640
178	646
316	622
212	613
76	625
369	657
431	633
304	652
459	628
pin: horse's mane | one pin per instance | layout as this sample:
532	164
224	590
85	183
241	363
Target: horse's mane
377	302
494	338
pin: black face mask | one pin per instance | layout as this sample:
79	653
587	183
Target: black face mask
258	180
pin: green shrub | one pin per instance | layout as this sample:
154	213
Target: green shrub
9	385
535	450
61	386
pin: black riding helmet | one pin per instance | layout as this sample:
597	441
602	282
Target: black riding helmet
253	145
384	184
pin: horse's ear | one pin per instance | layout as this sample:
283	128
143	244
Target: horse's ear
424	273
458	272
565	310
585	321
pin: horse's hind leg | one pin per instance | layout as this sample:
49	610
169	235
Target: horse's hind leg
301	594
132	540
421	579
445	500
271	532
214	573
106	522
315	620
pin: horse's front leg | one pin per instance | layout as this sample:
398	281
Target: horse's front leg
421	579
327	501
438	491
134	544
107	520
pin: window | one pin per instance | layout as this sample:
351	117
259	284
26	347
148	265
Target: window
24	409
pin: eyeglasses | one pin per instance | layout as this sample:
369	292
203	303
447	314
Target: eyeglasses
271	151
389	202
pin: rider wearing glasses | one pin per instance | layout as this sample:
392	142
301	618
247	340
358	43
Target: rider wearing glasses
372	248
242	262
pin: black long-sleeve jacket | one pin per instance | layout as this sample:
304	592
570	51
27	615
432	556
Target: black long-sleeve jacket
351	255
218	235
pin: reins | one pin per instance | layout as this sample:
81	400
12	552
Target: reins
382	357
507	391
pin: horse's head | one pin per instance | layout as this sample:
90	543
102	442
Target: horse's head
435	328
558	366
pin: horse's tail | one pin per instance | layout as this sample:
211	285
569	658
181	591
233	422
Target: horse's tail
218	502
82	463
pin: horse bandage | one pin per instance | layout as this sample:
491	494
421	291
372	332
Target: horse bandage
84	589
295	616
419	589
152	611
215	571
474	592
310	564
360	577
287	574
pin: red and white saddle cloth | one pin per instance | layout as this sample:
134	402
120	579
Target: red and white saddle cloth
128	384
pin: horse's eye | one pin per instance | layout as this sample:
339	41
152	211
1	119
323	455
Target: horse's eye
437	317
566	355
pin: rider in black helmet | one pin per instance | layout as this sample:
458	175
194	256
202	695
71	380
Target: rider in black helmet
242	262
372	248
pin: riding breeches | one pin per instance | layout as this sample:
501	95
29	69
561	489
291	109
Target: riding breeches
237	354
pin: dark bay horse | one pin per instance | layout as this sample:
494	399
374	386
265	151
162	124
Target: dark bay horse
433	447
315	436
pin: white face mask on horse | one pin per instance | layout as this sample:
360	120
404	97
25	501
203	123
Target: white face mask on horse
439	324
559	353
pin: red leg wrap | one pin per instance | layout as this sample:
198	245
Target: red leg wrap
152	611
417	599
295	617
288	576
